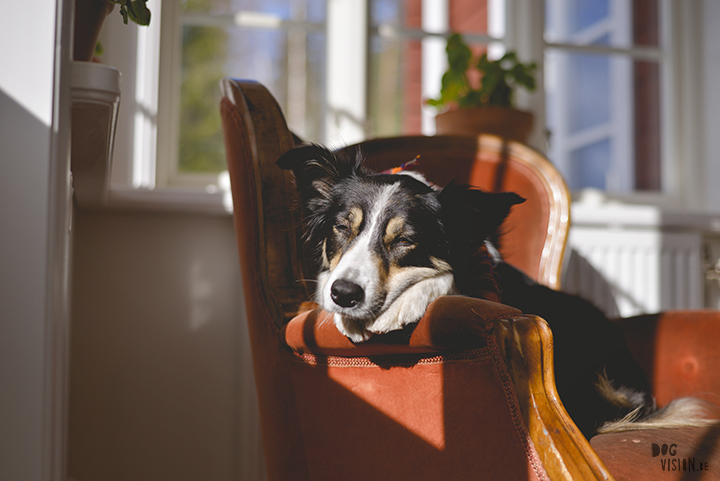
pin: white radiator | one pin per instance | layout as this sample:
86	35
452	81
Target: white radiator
630	271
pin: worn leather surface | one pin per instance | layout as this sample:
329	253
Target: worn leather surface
680	352
661	454
410	417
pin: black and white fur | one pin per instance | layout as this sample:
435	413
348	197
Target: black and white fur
388	245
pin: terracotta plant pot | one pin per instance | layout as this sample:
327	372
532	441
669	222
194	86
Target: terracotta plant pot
89	18
508	123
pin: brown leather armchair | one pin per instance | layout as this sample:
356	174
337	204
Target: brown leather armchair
469	395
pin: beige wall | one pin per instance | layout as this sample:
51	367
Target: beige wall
159	382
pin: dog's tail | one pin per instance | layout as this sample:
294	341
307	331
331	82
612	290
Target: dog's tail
681	412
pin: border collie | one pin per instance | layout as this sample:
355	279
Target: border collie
388	244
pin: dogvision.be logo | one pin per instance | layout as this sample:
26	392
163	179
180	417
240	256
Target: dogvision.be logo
669	461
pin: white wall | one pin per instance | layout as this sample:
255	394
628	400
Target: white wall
159	385
34	239
711	102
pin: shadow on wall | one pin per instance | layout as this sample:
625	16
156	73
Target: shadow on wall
582	279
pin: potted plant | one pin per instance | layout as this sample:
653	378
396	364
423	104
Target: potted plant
95	95
89	18
466	109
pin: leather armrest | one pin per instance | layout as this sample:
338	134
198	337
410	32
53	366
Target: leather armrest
450	323
678	350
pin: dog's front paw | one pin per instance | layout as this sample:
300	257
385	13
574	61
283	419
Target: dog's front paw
353	330
402	312
410	306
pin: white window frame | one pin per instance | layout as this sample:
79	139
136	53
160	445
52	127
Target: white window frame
147	152
520	28
619	126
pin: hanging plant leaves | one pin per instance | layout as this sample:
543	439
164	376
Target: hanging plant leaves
135	10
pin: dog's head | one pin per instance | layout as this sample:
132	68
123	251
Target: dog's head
387	245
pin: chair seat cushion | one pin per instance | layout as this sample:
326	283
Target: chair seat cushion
661	454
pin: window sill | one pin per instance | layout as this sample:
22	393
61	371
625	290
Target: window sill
170	200
598	210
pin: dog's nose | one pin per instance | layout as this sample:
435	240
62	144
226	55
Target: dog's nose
346	294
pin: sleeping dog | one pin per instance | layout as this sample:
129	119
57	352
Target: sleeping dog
389	244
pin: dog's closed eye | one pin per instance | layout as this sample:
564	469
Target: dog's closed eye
343	229
402	242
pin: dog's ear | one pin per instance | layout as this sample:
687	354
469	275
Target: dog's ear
474	214
318	169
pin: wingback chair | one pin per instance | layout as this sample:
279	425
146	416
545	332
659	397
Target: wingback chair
470	394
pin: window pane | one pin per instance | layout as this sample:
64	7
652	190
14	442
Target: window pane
392	95
281	8
205	6
396	71
588	93
204	56
585	13
260	55
589	166
395	88
592	98
468	16
623	23
394	92
288	60
603	111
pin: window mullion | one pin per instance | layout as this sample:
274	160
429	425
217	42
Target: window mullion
435	19
525	35
347	71
169	96
636	52
497	28
297	71
146	103
622	171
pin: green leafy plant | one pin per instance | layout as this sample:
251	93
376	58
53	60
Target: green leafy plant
498	81
135	10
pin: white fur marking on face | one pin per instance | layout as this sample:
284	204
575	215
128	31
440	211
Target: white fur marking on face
358	264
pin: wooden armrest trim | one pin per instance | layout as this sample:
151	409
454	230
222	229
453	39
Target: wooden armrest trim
525	344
